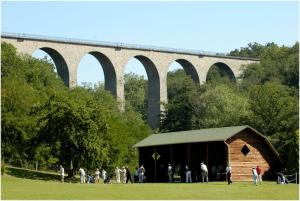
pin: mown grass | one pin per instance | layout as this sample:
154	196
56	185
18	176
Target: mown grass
20	188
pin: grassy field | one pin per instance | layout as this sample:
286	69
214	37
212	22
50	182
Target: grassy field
15	187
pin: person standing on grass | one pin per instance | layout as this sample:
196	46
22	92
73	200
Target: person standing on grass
97	176
259	174
228	173
123	175
62	173
254	175
82	175
117	172
128	175
204	172
170	172
141	172
103	174
188	174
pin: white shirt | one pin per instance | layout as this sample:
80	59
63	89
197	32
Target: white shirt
170	169
82	172
254	172
103	173
228	169
204	167
117	171
62	171
97	173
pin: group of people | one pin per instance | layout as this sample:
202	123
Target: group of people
188	173
257	175
123	175
87	178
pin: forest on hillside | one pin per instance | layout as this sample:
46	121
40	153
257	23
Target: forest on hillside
42	120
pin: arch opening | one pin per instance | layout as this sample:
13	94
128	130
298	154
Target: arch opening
189	69
96	69
220	72
56	59
146	96
180	71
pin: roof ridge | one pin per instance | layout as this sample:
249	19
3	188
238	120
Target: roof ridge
201	135
243	126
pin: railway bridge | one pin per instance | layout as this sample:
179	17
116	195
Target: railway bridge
113	57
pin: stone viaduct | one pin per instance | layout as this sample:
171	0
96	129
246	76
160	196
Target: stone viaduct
113	57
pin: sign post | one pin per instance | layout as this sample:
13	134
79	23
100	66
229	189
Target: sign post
155	157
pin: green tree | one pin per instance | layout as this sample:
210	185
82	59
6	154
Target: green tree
74	128
292	145
218	75
89	131
178	114
274	108
276	63
136	93
220	106
275	113
25	82
45	121
124	130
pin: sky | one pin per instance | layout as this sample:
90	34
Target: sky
197	25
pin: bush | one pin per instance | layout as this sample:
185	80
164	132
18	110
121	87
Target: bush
2	167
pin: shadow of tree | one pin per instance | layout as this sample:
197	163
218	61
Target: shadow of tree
31	174
37	175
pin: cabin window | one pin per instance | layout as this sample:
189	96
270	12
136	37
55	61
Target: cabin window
245	150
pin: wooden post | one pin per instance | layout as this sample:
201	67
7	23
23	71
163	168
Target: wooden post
227	152
206	153
188	154
155	158
139	156
36	165
171	149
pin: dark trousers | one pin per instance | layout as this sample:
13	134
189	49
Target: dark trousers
229	178
136	178
128	178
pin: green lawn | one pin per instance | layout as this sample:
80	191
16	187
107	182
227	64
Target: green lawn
19	188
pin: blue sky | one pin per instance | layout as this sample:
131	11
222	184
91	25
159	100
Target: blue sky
209	26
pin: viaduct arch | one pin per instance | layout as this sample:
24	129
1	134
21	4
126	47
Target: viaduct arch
224	69
189	69
60	63
113	58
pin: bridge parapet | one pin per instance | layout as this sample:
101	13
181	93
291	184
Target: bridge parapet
121	45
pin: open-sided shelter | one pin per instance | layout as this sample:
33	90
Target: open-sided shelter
241	146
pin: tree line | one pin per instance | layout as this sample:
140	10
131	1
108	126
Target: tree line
42	120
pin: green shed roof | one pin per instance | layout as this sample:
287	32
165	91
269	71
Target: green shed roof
203	135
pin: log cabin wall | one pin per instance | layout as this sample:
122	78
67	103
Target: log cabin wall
256	152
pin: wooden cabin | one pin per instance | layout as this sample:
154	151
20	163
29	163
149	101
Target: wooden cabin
241	146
